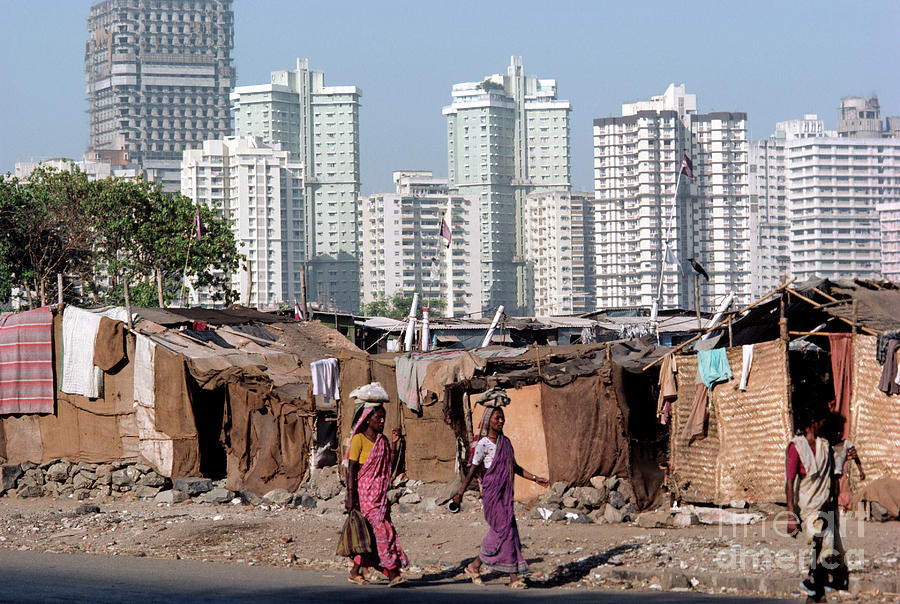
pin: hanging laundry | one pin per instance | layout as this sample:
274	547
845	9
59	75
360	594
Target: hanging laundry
881	344
668	388
80	375
26	362
746	364
109	345
144	371
841	366
325	378
713	367
695	426
888	382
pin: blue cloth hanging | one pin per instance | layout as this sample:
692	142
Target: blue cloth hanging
713	366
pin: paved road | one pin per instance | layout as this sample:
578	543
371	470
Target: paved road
49	577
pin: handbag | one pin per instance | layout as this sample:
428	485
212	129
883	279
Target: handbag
356	536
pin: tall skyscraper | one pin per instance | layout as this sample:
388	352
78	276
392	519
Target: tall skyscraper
840	196
637	160
319	125
159	73
559	252
507	136
402	249
260	188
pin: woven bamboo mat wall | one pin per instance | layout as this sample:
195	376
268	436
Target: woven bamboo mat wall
874	416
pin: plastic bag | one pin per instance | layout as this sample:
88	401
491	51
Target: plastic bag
371	393
356	536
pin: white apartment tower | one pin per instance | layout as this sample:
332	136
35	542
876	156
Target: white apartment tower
769	226
637	159
158	77
840	196
559	252
402	250
319	125
507	136
260	189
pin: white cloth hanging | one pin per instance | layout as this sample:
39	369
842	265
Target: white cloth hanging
746	365
325	378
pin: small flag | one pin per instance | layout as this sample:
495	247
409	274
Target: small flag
445	231
671	258
297	314
435	270
687	166
198	227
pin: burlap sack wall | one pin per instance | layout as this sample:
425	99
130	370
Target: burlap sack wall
874	417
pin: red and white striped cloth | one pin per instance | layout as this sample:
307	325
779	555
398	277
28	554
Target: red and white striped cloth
26	362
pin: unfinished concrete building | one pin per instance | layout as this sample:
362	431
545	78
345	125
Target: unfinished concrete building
159	73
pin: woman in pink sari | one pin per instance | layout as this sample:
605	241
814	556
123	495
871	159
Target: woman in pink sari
369	460
493	457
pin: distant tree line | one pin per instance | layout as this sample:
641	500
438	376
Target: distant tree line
101	234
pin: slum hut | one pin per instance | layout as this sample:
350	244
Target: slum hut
574	411
812	343
189	391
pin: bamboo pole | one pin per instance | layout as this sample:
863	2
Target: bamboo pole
721	322
59	290
306	316
847	321
127	303
817	333
159	290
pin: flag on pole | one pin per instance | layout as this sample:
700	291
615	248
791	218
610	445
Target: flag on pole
197	225
445	231
687	166
435	270
671	258
297	314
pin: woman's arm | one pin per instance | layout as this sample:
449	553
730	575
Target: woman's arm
465	484
352	501
532	477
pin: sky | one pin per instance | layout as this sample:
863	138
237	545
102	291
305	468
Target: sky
773	60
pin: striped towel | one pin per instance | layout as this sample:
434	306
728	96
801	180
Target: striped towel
26	362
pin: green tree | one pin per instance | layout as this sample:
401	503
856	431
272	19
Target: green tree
142	231
46	229
397	306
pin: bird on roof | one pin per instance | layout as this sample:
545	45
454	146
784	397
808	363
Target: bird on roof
698	268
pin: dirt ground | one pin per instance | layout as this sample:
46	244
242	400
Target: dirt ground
571	555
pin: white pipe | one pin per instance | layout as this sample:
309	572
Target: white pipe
721	310
411	324
490	333
426	335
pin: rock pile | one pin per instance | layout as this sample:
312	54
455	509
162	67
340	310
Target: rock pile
80	480
608	500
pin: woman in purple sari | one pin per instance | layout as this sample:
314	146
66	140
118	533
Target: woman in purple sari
494	460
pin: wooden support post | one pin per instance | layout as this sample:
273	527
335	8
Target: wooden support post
159	291
305	308
127	303
59	291
697	300
537	350
730	334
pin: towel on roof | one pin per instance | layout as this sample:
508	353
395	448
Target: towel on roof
713	366
80	375
26	362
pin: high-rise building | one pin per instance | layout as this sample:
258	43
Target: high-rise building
637	161
402	249
158	78
319	125
770	257
260	188
559	253
834	188
889	216
507	136
840	190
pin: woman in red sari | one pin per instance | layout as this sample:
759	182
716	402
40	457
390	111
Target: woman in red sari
370	459
494	460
